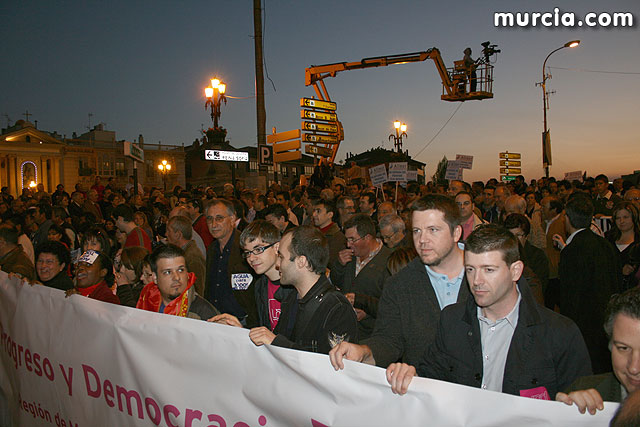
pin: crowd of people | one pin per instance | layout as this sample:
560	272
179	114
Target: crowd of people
521	288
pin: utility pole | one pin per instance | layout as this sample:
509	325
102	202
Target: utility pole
257	39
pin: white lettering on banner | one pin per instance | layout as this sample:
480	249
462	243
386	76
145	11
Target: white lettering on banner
241	281
150	368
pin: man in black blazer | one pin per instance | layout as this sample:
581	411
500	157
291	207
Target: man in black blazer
500	340
412	299
589	274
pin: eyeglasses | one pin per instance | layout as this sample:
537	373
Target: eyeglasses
385	238
217	219
256	251
352	240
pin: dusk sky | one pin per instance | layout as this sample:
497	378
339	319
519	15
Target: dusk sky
141	67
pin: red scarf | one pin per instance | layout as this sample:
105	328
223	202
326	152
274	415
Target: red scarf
85	292
150	299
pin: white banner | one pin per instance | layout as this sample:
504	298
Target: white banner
80	362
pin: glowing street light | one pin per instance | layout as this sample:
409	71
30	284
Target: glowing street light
401	131
546	139
164	168
215	96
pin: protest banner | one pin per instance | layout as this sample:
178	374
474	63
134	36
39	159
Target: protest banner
398	171
454	170
465	162
84	363
378	175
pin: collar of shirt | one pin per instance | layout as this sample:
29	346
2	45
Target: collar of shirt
360	264
511	318
551	221
446	290
323	230
570	238
606	196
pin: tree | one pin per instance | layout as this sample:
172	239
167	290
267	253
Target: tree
441	172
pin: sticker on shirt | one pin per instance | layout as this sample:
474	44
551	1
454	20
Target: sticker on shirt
540	393
241	281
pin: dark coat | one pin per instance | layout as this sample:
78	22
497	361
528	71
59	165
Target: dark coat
310	323
367	287
408	315
15	261
607	385
61	281
546	349
589	274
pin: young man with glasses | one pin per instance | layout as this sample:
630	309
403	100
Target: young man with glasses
229	285
259	243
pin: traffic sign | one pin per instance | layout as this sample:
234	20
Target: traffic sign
317	115
509	171
321	139
319	127
507	155
266	154
316	103
228	156
318	151
506	178
283	136
510	163
287	156
286	146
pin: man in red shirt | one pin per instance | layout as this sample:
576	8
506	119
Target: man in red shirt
136	236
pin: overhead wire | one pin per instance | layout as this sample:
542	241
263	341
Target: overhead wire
582	70
438	133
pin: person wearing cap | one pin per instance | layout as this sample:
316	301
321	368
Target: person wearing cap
94	277
172	290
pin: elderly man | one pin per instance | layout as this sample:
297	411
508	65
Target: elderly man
172	291
468	217
633	195
179	233
517	204
386	208
362	270
393	232
316	317
455	187
500	339
412	299
229	285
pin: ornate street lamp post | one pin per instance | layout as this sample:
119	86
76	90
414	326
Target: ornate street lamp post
215	96
401	132
164	168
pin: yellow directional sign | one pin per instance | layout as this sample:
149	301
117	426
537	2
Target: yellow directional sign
316	103
321	139
283	136
510	162
509	171
286	146
320	151
317	115
287	156
507	155
320	127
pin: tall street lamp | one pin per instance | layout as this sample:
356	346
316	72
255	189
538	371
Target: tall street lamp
401	131
164	168
215	96
546	138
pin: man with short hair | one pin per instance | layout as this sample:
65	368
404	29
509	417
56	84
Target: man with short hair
346	208
323	214
489	209
199	222
368	204
393	232
179	233
172	290
604	200
500	196
52	261
413	298
456	186
91	205
500	339
589	273
42	217
284	198
229	285
468	217
277	215
517	204
136	236
622	326
316	317
12	257
633	195
386	208
361	270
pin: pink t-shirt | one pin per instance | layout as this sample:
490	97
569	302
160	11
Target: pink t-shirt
274	305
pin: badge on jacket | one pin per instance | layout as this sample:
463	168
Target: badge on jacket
241	281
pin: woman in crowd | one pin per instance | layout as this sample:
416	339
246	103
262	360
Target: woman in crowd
147	274
625	236
141	220
94	277
96	239
57	234
129	274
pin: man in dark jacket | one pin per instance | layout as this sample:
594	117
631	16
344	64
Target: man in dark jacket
316	317
500	340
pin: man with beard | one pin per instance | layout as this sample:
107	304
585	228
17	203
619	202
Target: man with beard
172	291
316	317
412	299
